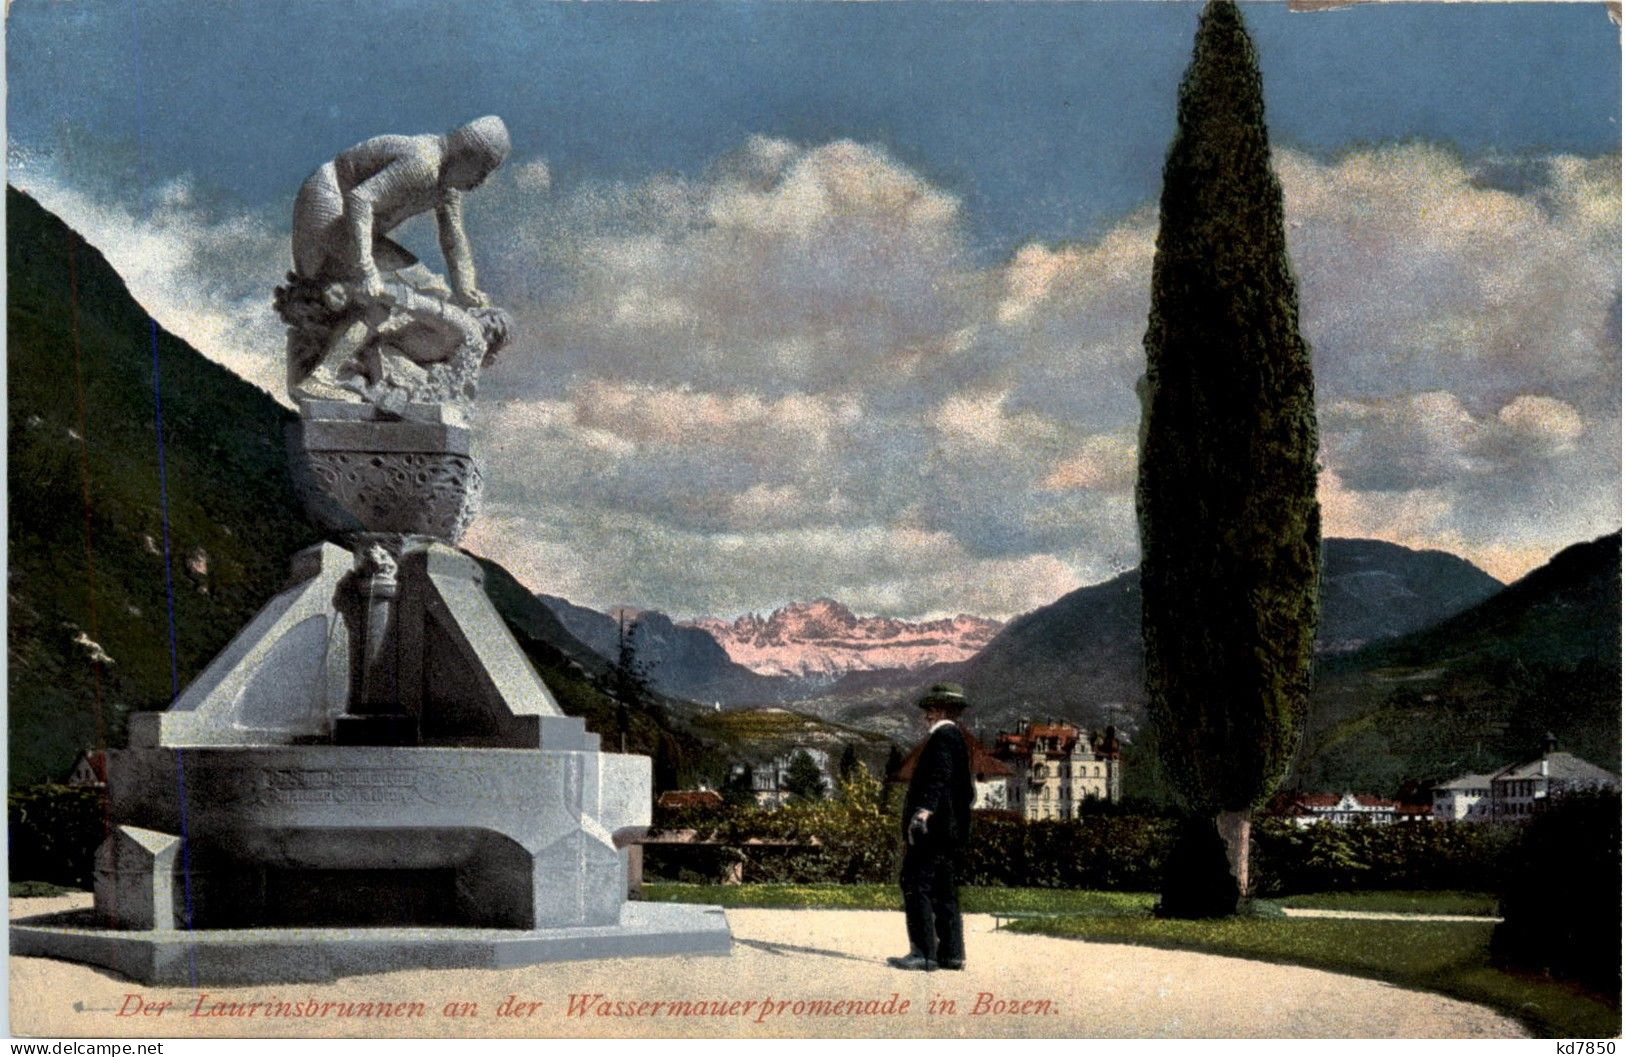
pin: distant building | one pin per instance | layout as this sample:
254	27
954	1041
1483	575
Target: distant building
767	779
89	770
690	798
1056	767
1524	789
1462	799
1342	809
992	776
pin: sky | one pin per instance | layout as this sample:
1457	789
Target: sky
847	300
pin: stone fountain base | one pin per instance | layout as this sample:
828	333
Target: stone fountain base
369	777
220	957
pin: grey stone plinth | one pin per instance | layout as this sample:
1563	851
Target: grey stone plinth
221	957
370	776
135	873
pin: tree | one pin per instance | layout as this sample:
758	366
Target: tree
628	676
803	778
894	763
666	763
1229	523
849	763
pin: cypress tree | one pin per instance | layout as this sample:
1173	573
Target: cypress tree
1229	522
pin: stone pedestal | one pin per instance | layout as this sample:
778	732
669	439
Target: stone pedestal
372	752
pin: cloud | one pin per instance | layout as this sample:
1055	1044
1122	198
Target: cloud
203	271
791	375
782	269
1104	461
880	569
1417	275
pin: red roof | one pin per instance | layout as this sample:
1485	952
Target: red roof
691	798
1302	804
983	764
97	760
1065	736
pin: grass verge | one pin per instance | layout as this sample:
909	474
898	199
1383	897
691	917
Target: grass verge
1450	958
1477	904
37	889
888	897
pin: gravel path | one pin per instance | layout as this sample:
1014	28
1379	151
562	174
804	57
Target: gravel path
1384	915
788	970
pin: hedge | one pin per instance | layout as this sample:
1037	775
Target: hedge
1288	860
858	841
1560	904
54	831
854	838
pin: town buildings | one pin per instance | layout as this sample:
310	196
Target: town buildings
1460	799
1041	771
1523	789
767	779
1513	793
1055	768
701	799
1342	809
89	770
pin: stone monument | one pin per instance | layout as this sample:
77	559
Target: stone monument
371	776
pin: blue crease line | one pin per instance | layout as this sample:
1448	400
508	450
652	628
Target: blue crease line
163	483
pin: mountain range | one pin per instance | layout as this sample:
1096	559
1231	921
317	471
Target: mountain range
823	639
674	659
1079	656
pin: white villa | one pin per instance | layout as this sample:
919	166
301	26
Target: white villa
1056	767
1467	797
1516	792
1521	790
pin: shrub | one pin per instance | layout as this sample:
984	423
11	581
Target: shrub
1415	856
54	831
1560	901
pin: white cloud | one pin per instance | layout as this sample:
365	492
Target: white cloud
788	375
205	274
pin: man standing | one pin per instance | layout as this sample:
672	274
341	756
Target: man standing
936	825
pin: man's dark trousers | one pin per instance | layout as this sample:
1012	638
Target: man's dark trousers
941	785
931	904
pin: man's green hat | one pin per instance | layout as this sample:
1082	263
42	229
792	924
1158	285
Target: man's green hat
947	696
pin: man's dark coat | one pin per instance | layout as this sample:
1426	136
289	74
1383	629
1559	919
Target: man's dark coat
942	785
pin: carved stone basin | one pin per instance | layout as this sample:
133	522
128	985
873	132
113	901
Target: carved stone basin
357	472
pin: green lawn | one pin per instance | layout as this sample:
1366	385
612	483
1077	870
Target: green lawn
36	889
887	897
1451	958
1477	904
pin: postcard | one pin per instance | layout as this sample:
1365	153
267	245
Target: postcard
1079	520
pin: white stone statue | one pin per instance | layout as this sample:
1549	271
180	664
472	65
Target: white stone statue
367	322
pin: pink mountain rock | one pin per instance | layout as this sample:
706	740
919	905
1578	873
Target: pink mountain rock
823	638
